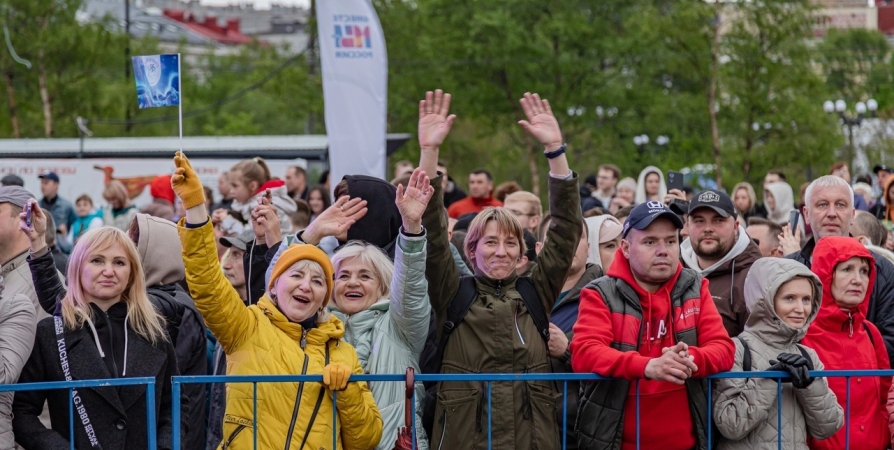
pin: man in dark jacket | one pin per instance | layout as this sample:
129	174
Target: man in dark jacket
829	209
562	319
719	249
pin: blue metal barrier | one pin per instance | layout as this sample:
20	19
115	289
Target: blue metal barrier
495	377
71	385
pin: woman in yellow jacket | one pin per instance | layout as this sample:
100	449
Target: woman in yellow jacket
288	331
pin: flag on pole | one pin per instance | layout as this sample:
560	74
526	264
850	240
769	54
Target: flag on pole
355	87
158	80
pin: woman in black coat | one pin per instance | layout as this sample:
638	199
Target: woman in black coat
110	330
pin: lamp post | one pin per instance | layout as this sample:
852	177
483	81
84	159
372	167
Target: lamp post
642	143
851	119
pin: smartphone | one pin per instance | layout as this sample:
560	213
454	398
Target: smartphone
28	207
793	218
674	180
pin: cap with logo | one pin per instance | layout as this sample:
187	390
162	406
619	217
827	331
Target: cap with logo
49	176
882	168
239	241
714	199
645	213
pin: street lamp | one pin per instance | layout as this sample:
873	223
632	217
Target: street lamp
851	119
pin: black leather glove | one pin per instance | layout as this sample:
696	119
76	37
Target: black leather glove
796	365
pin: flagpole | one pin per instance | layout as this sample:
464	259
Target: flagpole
180	101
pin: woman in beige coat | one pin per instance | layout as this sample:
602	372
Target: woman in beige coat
783	297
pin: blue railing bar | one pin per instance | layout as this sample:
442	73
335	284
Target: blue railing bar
847	412
778	414
489	410
335	420
461	377
710	413
254	412
53	385
637	415
71	428
565	415
150	416
175	414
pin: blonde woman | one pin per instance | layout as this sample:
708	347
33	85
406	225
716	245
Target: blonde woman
120	211
104	327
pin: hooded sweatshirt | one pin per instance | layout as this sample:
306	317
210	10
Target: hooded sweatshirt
745	410
382	222
283	204
665	419
726	278
641	185
785	202
847	341
161	256
598	227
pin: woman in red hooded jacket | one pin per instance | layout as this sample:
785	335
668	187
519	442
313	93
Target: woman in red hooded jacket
845	340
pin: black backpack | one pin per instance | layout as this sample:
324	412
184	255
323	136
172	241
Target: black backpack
433	352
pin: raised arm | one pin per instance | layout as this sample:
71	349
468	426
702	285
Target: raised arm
410	308
440	270
566	225
224	313
47	283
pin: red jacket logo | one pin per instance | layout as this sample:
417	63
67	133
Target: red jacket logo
687	315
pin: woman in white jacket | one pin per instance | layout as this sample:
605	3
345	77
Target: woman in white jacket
650	185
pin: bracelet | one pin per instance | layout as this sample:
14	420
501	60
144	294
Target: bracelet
557	152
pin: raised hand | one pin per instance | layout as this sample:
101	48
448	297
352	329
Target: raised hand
265	222
434	121
411	202
335	220
541	123
37	232
186	183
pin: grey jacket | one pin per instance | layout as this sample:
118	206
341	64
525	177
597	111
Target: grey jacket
389	337
745	410
18	322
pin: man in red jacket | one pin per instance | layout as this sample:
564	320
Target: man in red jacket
650	323
481	195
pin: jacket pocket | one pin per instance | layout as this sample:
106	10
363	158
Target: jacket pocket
237	433
456	418
544	427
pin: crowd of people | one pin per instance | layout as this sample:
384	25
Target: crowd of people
650	287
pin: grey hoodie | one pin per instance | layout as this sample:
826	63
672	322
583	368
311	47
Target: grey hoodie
745	410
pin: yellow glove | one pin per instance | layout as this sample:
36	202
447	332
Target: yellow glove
336	376
186	183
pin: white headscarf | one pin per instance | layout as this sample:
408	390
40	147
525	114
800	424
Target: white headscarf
641	185
601	229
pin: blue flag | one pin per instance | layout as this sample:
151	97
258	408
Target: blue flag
158	80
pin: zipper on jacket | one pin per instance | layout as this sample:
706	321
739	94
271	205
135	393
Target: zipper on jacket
517	329
297	403
499	290
303	342
229	441
112	344
443	422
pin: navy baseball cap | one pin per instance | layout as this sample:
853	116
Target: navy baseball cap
645	213
49	176
714	199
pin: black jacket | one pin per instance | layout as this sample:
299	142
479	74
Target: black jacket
255	262
118	414
881	302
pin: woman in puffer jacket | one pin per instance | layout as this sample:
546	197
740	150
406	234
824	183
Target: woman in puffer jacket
845	340
385	312
289	331
783	298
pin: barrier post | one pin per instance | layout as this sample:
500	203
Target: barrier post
151	428
334	419
254	411
175	413
489	435
847	414
71	417
779	413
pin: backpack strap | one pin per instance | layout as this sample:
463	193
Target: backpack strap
459	306
806	355
528	293
746	360
869	333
